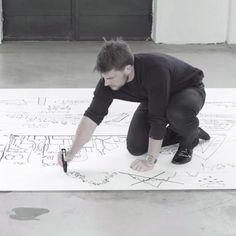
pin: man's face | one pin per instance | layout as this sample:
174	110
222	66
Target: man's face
115	79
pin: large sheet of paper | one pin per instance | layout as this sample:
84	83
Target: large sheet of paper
37	123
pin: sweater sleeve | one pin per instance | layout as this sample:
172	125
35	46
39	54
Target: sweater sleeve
100	104
158	90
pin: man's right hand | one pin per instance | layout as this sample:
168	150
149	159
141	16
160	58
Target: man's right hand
67	158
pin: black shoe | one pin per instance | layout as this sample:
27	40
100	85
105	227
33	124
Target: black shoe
203	134
182	156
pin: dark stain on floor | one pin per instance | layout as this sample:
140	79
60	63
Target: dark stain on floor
27	213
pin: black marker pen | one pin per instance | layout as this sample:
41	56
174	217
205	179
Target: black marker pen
64	163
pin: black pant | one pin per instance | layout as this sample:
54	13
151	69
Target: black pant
181	115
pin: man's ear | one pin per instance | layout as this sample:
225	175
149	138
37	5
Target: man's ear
128	69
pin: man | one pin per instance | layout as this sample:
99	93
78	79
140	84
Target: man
170	92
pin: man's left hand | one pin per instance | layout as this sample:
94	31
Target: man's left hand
142	165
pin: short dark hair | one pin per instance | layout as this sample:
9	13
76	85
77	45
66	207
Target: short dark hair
114	54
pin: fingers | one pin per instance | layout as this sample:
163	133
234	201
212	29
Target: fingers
59	160
139	165
134	164
68	159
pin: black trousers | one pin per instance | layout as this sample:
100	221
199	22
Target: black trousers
181	115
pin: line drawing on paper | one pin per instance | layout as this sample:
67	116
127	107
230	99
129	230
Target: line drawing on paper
224	104
47	114
207	180
214	124
205	149
21	149
119	119
95	180
154	181
106	177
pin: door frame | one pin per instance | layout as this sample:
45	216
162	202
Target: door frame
1	22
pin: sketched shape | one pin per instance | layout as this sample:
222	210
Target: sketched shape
96	179
207	180
27	147
120	119
17	102
15	157
217	124
206	149
154	181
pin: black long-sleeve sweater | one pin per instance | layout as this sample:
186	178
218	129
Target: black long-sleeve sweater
157	77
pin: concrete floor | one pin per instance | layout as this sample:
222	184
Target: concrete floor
66	64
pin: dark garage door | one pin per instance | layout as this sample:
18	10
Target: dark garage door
130	19
36	19
76	19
